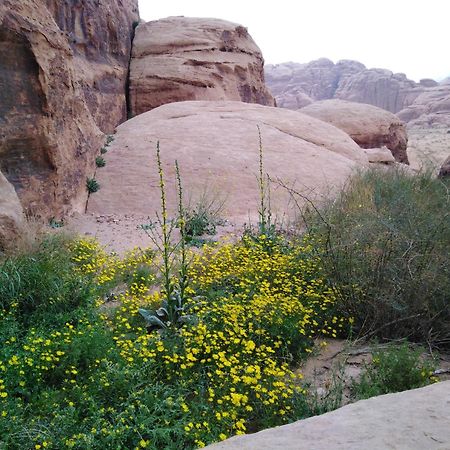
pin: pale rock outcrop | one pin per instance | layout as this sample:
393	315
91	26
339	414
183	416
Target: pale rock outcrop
63	71
181	58
412	420
381	155
216	145
367	125
11	214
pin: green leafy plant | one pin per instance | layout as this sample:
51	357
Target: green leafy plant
103	150
100	161
172	313
53	223
395	369
92	185
109	139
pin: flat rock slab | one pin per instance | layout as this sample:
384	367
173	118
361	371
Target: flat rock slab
412	420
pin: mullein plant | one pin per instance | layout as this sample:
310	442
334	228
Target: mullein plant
172	312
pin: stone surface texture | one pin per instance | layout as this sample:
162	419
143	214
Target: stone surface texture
180	58
216	145
63	73
430	108
11	214
412	420
297	85
369	126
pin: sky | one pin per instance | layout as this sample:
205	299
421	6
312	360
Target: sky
409	36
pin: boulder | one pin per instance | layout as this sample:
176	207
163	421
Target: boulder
367	125
11	214
216	145
63	72
413	420
181	58
381	155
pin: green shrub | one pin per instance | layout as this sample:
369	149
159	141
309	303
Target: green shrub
385	247
92	185
103	150
396	369
100	161
203	217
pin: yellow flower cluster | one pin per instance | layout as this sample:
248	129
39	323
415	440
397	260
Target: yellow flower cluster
257	308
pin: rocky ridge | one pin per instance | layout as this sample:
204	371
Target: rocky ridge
297	85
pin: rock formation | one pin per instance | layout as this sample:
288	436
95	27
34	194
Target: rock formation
413	420
345	80
11	214
179	58
431	107
367	125
216	145
63	71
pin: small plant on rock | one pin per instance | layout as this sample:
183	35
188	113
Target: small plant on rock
92	185
100	161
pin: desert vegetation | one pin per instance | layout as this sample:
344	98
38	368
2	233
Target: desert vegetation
173	347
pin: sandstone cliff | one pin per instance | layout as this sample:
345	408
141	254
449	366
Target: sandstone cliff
180	58
63	72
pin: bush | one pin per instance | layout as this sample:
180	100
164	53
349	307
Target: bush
203	217
100	161
92	185
396	369
385	247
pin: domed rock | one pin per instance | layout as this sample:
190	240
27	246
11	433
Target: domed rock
367	125
216	145
181	58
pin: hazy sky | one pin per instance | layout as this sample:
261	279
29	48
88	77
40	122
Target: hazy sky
410	36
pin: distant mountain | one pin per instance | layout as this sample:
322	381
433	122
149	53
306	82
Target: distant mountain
296	85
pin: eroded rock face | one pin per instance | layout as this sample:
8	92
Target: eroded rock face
216	145
63	71
413	420
180	58
346	80
11	214
369	126
430	108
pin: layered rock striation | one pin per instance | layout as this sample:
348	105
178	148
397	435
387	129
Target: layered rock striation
180	58
63	73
